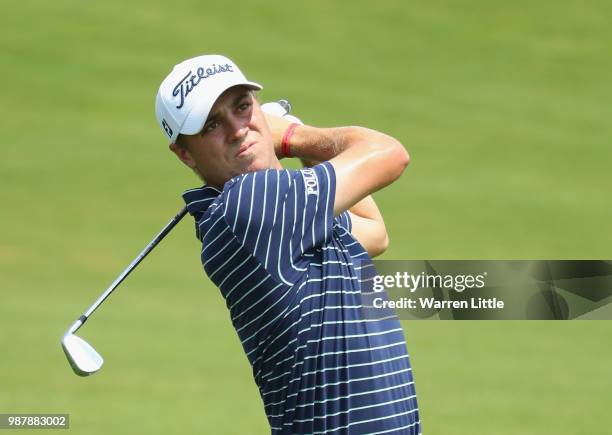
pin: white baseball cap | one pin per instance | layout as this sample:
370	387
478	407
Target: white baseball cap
187	94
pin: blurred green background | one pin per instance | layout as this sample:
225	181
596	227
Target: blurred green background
504	107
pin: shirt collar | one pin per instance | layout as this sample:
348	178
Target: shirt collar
199	199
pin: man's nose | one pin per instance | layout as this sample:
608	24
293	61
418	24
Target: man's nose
238	128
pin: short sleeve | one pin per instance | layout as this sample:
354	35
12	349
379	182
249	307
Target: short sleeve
344	220
280	216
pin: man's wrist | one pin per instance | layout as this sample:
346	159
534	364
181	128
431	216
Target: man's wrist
286	139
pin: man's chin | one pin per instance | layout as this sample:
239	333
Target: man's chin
256	164
260	165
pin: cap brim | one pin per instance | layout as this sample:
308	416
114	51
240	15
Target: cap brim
197	117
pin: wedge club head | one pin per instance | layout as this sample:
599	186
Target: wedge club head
82	357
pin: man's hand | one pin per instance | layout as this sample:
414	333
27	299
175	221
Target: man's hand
278	126
278	118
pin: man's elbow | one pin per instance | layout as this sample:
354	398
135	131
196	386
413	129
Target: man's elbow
398	159
381	245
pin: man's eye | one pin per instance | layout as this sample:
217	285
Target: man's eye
210	126
244	107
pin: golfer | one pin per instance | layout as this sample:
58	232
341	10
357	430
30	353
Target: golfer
284	247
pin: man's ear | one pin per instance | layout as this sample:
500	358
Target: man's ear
183	154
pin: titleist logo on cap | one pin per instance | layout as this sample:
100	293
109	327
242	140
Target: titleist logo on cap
190	81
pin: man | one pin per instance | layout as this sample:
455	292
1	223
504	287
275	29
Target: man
284	248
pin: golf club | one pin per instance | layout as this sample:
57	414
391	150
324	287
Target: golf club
82	357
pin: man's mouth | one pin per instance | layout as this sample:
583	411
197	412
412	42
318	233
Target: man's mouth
244	147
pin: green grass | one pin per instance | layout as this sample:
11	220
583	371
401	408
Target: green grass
504	107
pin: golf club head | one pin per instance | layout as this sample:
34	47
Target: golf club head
83	358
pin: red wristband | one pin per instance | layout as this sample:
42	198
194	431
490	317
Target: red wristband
285	140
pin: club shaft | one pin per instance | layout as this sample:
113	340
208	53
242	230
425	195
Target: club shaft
129	269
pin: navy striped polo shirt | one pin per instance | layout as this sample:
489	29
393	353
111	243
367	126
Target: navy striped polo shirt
288	271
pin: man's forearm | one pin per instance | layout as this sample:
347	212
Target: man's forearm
312	144
369	227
